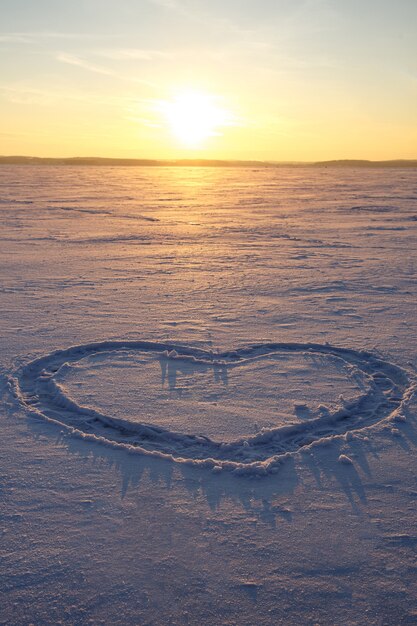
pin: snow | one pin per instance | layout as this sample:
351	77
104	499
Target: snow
191	359
343	458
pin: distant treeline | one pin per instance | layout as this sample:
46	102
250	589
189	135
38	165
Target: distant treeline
98	161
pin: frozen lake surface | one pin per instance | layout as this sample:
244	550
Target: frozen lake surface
207	396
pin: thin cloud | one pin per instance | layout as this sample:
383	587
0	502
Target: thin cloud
33	37
29	94
168	4
126	54
143	121
15	38
71	59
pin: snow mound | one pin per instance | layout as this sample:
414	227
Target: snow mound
346	460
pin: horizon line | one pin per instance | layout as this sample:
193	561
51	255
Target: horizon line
196	162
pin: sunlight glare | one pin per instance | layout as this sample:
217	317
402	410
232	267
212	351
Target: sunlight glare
194	117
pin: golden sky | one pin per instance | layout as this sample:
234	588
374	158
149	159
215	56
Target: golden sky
291	80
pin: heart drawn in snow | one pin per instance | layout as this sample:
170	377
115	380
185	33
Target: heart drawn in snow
243	410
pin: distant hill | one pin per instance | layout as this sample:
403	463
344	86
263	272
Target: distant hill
99	161
364	163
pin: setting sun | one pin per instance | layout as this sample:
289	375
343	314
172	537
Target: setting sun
194	117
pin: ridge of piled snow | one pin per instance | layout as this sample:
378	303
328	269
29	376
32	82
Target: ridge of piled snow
388	391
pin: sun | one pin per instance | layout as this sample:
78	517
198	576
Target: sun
193	117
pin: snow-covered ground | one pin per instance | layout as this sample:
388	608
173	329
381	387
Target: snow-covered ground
207	396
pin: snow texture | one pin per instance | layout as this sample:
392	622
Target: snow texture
188	356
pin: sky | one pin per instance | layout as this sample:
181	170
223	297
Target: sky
282	80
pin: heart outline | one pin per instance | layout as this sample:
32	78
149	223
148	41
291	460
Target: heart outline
259	454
